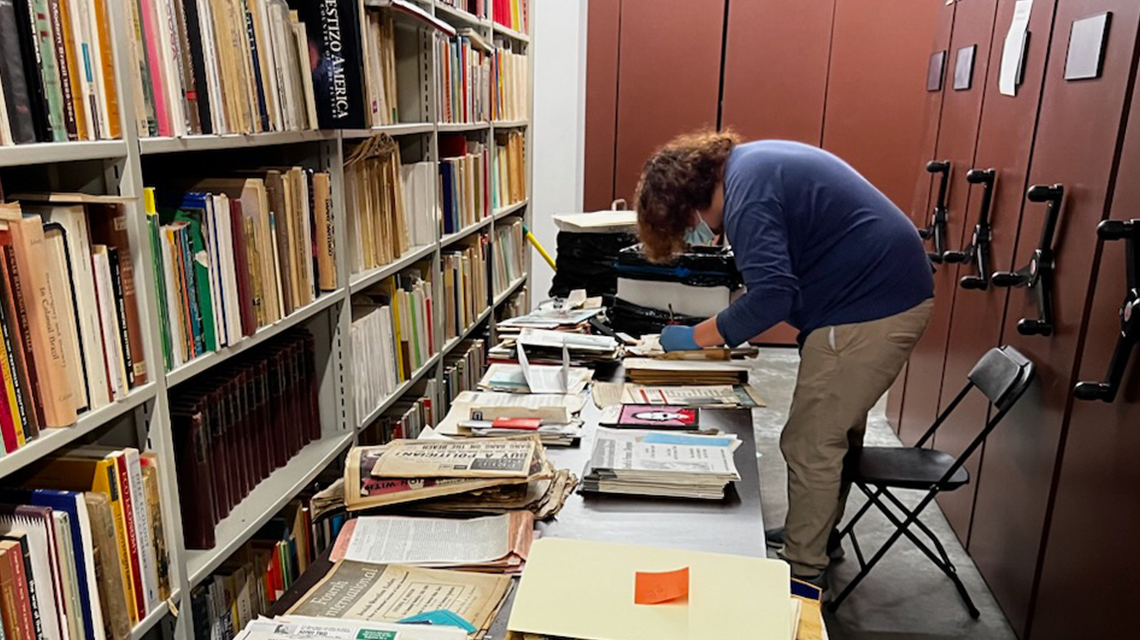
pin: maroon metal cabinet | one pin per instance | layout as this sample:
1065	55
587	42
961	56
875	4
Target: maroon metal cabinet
931	107
875	102
1090	551
668	78
1005	141
775	68
602	36
966	68
1076	146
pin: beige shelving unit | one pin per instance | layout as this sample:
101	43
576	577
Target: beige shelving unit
142	419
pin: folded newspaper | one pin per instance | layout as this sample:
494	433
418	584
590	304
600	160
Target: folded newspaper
486	458
390	593
659	463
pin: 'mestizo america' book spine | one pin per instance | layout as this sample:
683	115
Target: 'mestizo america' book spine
334	31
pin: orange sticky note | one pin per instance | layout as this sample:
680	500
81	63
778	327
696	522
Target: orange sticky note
652	587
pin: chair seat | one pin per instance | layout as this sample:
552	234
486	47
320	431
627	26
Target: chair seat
905	468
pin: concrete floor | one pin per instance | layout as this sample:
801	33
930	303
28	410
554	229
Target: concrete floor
905	596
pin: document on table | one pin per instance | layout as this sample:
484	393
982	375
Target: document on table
1014	49
545	379
711	395
486	405
489	458
428	541
560	339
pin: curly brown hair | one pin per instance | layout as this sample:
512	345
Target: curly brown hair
678	179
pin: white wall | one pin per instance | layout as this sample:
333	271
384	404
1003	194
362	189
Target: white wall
558	138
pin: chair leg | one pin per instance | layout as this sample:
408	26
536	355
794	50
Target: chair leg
902	528
850	528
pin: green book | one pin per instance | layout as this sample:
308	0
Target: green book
156	246
193	212
414	307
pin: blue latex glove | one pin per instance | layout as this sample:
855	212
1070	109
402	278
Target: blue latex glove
678	338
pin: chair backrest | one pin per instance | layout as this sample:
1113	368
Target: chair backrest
1003	375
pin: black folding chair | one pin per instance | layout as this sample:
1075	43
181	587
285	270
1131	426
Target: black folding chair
1002	375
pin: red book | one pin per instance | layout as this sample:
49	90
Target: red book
132	539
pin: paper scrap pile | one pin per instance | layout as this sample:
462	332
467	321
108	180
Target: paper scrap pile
544	346
656	463
483	475
483	414
558	319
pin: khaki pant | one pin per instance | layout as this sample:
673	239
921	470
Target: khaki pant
844	370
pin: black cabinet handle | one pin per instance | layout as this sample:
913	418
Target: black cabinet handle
979	250
1129	231
936	230
1038	273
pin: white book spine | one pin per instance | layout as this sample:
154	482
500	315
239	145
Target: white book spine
112	348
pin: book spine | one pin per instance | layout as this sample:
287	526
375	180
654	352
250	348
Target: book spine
28	586
17	99
107	481
159	281
17	297
196	72
49	69
68	78
121	313
9	414
9	601
106	74
151	56
119	468
186	260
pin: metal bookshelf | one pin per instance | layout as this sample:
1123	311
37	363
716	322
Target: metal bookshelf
142	418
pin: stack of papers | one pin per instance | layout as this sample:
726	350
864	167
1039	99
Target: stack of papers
658	463
544	346
585	589
308	628
494	544
391	593
497	481
648	371
527	378
574	320
597	222
472	414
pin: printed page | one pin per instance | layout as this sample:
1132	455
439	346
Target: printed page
427	541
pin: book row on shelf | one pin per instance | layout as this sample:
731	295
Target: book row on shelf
215	67
509	183
82	547
57	72
462	370
512	14
208	66
510	255
235	254
463	268
264	568
404	419
70	334
514	306
379	40
463	178
511	100
391	336
389	204
464	78
235	425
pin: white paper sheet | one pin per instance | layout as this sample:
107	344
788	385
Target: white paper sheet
1013	51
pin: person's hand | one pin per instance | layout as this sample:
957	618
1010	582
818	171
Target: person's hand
678	338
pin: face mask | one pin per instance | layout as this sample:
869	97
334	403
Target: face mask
700	234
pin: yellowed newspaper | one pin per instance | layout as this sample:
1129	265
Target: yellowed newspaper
486	458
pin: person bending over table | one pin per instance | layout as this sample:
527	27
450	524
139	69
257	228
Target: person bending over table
819	247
